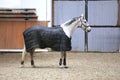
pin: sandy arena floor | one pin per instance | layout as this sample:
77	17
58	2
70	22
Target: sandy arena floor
82	66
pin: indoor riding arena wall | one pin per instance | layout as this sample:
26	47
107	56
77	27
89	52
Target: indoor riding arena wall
105	38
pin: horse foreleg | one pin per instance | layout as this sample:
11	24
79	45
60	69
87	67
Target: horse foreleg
32	61
64	59
23	56
61	58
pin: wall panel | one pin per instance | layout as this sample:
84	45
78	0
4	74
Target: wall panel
11	33
118	23
102	13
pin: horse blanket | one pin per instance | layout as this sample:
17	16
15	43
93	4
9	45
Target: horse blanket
43	37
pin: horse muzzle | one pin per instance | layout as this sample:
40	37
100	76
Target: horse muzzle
88	29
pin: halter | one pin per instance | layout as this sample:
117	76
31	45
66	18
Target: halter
83	25
69	30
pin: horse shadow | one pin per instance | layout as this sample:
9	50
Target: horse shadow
46	67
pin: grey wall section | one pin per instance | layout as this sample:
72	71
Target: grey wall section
104	39
99	13
78	40
65	10
102	12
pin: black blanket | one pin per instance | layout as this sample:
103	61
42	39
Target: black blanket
43	37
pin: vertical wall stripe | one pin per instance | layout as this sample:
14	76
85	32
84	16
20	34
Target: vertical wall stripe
118	22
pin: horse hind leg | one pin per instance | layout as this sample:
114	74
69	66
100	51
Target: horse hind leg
32	60
23	56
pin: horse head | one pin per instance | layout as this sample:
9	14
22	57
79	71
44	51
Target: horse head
70	25
83	24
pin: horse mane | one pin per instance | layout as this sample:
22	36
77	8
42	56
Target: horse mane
71	21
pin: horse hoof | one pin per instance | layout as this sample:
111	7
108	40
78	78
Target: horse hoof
63	66
33	66
22	66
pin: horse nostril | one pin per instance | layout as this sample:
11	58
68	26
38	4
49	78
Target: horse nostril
89	30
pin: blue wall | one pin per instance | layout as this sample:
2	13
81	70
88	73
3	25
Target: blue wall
103	12
104	39
99	13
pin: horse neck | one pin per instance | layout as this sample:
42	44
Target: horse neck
69	29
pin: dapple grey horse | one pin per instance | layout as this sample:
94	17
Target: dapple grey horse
57	38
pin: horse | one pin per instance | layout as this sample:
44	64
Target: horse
57	38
